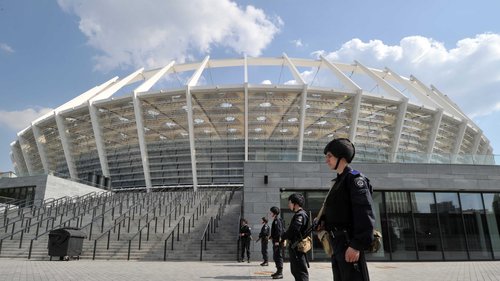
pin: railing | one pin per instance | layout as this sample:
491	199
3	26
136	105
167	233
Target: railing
91	223
213	224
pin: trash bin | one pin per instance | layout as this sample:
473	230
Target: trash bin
66	243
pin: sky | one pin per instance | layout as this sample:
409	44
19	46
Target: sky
52	51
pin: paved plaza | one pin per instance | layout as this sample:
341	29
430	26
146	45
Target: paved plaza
83	270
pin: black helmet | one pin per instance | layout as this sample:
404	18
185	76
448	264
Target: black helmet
341	148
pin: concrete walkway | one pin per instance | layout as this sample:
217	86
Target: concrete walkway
23	270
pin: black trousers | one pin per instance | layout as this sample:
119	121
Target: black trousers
263	249
245	246
277	256
298	265
347	271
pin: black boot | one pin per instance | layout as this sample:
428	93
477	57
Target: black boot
278	274
265	263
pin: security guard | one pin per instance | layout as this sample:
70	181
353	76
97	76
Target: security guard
245	237
264	238
296	232
348	214
277	231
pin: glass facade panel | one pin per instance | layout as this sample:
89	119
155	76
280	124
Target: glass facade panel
452	230
423	225
397	227
475	226
426	226
492	208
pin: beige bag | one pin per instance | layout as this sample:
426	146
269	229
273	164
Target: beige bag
326	241
304	245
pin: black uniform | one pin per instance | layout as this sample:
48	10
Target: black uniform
277	231
264	238
296	232
349	217
245	234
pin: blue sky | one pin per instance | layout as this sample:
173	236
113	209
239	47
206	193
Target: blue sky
51	51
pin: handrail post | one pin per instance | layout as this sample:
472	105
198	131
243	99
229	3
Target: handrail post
129	246
95	247
109	237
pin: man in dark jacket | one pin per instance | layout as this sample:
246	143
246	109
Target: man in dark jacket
265	231
277	231
295	233
348	214
245	237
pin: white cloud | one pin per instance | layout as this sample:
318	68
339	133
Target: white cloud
266	82
18	120
154	32
298	43
469	73
6	48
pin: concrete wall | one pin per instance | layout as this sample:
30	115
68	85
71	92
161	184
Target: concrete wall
49	186
259	197
58	187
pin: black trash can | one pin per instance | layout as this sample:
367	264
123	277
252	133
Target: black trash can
66	243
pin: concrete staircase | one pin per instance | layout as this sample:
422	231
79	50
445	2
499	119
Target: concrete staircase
188	214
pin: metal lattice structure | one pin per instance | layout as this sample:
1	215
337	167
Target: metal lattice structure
199	133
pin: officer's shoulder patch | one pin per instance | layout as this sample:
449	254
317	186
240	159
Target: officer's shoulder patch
300	218
360	182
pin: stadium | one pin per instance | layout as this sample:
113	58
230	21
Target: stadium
199	134
260	125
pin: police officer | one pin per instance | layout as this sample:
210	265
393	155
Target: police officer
264	238
296	232
245	237
348	214
277	231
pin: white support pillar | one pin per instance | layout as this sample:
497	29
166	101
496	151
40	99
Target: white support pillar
139	122
18	157
303	104
14	163
458	142
245	85
189	103
341	76
294	70
27	159
421	96
61	127
108	92
357	98
388	88
435	130
303	112
403	106
356	105
477	141
41	147
101	150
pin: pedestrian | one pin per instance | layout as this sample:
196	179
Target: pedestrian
265	231
277	230
245	237
347	214
296	232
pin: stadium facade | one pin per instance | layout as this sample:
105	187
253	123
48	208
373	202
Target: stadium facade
437	195
200	134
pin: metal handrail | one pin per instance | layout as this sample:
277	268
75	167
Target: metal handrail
210	225
91	223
